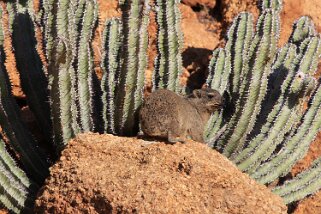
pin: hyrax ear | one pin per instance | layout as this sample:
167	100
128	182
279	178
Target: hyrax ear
197	93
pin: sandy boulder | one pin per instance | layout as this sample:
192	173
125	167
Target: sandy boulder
107	174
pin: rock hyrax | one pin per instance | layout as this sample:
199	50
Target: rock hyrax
164	114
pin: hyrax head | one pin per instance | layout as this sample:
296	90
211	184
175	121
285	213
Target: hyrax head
210	98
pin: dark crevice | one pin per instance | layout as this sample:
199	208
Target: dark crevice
197	8
198	59
22	102
292	207
216	12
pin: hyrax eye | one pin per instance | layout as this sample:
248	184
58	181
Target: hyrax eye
212	95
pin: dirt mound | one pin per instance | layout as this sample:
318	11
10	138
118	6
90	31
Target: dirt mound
107	174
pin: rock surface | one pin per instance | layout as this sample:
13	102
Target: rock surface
107	174
309	205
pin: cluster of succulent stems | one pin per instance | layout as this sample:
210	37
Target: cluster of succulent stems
263	128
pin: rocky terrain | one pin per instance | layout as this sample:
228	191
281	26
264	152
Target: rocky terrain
107	174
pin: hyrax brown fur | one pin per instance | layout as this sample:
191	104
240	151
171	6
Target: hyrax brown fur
165	114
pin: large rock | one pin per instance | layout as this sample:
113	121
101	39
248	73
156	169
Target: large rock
107	174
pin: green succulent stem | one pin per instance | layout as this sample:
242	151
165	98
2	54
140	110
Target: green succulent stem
168	62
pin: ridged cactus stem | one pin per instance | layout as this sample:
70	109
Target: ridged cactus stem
283	129
60	87
75	16
1	31
142	57
110	65
62	18
17	190
70	70
218	76
302	28
284	109
17	176
212	128
260	58
217	79
239	40
85	67
168	63
133	54
49	32
21	140
267	4
295	147
226	66
285	114
279	81
287	62
304	184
